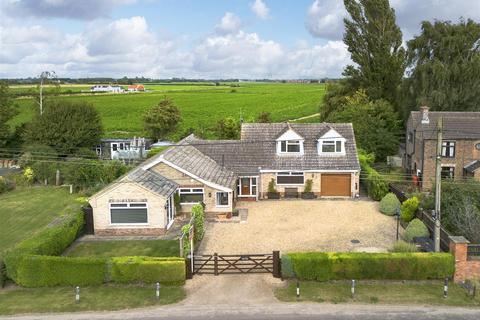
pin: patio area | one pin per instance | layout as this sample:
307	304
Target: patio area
303	225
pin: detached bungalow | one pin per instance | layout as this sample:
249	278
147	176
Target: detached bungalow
219	172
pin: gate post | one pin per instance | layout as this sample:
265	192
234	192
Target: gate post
277	271
188	267
215	264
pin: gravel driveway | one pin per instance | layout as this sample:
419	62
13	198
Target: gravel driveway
303	225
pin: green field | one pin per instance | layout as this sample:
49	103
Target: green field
25	211
201	105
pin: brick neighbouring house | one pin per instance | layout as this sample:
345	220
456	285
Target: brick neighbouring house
218	172
461	145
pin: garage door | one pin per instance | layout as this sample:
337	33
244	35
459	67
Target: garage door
336	185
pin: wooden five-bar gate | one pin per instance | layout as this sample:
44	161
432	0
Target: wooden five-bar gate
217	264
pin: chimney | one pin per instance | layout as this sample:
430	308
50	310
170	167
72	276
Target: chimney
424	111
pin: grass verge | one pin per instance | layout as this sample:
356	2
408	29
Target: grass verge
423	293
118	248
41	300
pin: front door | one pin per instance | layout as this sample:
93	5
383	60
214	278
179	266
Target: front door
170	207
245	186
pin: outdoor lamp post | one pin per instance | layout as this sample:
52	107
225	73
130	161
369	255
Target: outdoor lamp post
397	215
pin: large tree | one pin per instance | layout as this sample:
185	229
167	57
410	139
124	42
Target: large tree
445	65
375	123
7	112
65	126
161	120
374	41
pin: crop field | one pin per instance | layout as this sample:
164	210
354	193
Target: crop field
201	105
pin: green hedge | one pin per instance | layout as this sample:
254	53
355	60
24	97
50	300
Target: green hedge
377	186
48	271
170	271
51	241
3	273
322	266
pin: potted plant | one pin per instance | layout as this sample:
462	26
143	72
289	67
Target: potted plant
272	191
307	192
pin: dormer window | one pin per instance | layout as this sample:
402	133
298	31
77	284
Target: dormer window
331	143
290	146
290	143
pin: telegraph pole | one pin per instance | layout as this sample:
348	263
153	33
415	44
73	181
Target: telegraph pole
438	183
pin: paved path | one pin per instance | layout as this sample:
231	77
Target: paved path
306	117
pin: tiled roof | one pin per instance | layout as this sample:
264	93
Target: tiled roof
456	125
189	158
153	181
258	149
473	166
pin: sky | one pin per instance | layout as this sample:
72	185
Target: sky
208	39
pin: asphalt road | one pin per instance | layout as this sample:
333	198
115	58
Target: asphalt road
296	311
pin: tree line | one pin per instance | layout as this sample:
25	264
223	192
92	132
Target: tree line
438	68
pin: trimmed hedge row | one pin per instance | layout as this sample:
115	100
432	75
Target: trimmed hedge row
322	266
170	271
49	271
51	241
41	271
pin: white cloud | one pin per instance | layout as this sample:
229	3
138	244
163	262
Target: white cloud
72	9
230	23
260	9
325	19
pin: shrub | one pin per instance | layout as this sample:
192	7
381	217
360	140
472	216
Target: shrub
408	209
321	266
186	242
271	186
198	222
51	241
402	246
170	271
416	228
308	185
6	185
3	274
389	204
47	271
377	186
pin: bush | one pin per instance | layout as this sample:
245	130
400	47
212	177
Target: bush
377	186
308	186
169	271
408	209
389	204
402	246
3	274
51	241
47	271
321	266
271	186
198	222
6	185
416	228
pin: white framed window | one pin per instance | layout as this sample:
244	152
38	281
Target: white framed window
448	149
129	213
247	186
331	146
291	146
190	195
222	199
290	178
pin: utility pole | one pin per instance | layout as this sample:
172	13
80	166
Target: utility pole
438	183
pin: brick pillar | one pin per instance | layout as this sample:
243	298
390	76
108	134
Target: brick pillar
458	248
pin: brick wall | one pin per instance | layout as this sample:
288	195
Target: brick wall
464	268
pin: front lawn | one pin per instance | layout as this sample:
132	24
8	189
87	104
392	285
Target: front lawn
424	293
36	300
27	210
117	248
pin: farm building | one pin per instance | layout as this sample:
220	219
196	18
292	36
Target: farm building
123	149
106	88
136	88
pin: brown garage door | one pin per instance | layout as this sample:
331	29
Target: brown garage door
336	185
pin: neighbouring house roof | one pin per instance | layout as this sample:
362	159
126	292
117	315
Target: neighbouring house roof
188	157
257	149
153	181
472	166
456	125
